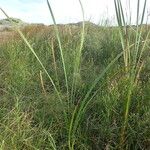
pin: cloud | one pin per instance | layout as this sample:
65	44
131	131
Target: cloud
30	11
64	10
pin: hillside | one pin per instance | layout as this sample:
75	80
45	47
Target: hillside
6	25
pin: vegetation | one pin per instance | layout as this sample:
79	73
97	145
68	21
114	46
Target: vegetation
77	88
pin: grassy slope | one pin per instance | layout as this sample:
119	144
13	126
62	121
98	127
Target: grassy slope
31	115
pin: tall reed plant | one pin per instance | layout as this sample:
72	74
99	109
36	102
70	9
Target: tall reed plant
132	54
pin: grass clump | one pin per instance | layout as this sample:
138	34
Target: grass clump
76	86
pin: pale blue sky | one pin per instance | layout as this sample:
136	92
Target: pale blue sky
65	11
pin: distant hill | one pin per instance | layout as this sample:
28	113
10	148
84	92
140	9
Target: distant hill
5	24
78	24
81	22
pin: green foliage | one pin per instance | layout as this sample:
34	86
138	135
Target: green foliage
76	87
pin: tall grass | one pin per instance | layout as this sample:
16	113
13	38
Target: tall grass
132	57
91	90
60	45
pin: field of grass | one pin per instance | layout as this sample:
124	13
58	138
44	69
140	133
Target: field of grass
81	87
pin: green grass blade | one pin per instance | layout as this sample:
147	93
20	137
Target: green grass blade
77	60
79	112
60	45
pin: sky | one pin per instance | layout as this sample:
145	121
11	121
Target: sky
67	11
